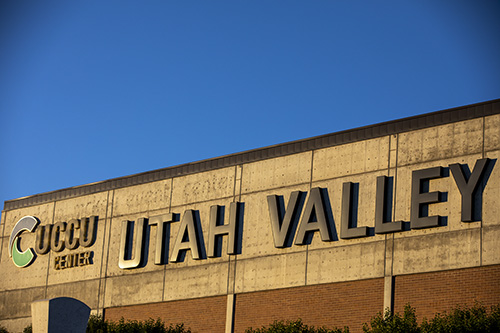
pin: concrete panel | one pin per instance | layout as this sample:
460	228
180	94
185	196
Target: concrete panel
203	186
492	132
352	158
451	208
366	207
17	303
78	273
16	325
134	289
85	206
13	277
257	231
346	263
491	244
434	252
142	198
202	211
491	206
43	212
441	142
271	272
112	268
277	172
196	281
85	291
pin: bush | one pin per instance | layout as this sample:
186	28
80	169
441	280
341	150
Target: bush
294	327
3	330
474	319
98	325
460	319
394	323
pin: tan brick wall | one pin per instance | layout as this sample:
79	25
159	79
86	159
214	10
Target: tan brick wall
334	304
201	314
436	292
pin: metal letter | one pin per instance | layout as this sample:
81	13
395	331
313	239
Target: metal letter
42	243
283	224
382	210
56	241
71	239
87	231
314	219
421	198
125	246
217	229
468	187
187	238
160	221
348	223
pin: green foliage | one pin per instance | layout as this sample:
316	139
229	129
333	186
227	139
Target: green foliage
473	319
3	330
294	327
394	323
98	325
28	329
459	320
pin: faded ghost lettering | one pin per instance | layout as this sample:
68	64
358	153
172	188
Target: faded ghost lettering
295	222
189	238
70	235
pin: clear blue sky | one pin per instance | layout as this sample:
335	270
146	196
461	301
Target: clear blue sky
92	90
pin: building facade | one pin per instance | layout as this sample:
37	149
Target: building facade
331	229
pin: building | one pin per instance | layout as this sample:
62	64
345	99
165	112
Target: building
330	229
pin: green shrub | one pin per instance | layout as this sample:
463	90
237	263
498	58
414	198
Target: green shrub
294	327
394	323
473	319
459	320
98	325
28	329
3	330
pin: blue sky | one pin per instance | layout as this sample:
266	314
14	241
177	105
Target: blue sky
92	90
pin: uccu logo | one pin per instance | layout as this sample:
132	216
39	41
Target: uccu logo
55	237
22	258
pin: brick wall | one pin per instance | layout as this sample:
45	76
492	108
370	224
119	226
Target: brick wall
201	314
436	292
334	304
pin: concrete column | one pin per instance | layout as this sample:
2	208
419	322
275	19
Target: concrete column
230	313
59	315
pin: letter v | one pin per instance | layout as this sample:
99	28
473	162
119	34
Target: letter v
284	224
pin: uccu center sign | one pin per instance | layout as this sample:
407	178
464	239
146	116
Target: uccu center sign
293	223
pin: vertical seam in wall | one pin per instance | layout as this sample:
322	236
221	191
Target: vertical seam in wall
307	245
388	175
481	225
50	252
229	261
102	254
3	233
394	196
165	265
107	252
236	256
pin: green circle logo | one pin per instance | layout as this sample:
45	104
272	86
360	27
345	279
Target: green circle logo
20	258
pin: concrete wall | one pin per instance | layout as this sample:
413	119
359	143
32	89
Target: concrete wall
261	266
